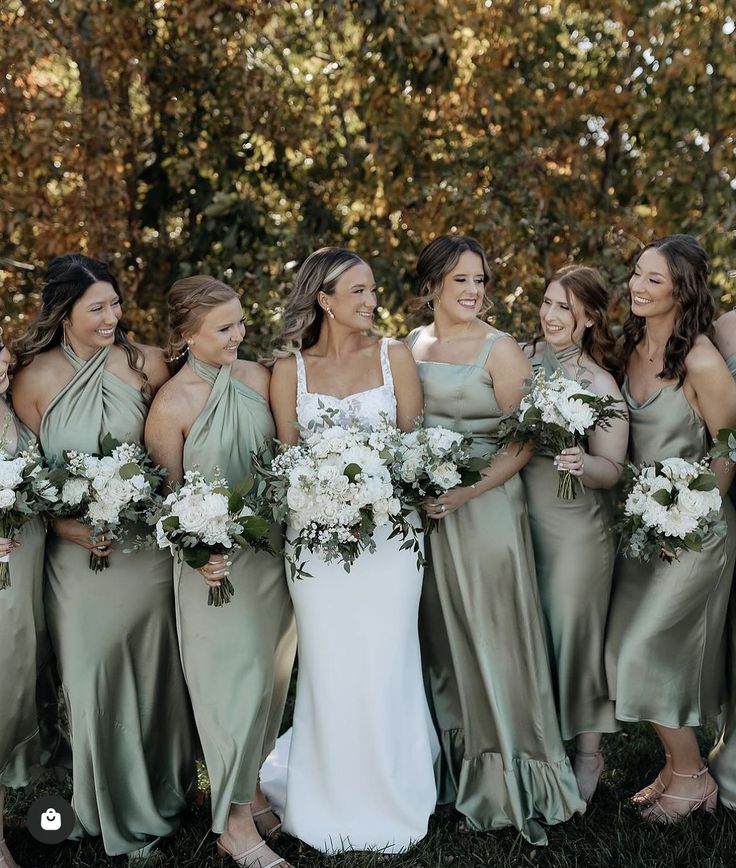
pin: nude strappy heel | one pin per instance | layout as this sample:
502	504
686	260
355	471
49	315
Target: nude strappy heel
648	795
707	801
266	833
222	852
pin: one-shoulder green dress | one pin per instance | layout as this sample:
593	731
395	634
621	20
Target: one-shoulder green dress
237	658
114	634
722	759
665	650
574	551
483	636
22	640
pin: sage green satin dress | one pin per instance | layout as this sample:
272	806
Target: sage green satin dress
665	650
574	551
237	658
722	759
114	634
22	643
483	637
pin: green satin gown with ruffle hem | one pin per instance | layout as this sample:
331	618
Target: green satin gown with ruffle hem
114	634
722	759
22	643
483	637
238	657
574	551
665	650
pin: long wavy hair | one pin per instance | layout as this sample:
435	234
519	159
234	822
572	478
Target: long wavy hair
437	259
689	269
303	316
67	278
189	302
587	286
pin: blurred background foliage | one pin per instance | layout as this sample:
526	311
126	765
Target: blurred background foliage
234	137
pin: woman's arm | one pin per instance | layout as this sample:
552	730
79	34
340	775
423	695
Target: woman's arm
726	333
25	399
602	464
282	394
164	436
154	366
715	391
407	386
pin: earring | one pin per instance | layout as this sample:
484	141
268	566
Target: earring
429	304
330	314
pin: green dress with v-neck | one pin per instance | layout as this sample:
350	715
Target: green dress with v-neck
665	652
483	636
114	634
574	551
237	658
722	758
22	640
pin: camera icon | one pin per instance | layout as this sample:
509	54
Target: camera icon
50	819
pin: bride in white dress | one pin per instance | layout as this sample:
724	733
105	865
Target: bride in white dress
356	770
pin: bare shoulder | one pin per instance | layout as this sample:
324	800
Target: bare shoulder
505	349
155	366
703	358
284	369
41	374
725	327
601	382
172	402
399	353
252	374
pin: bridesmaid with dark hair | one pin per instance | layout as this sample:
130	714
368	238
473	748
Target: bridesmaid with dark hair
575	577
79	378
481	623
213	414
665	646
22	630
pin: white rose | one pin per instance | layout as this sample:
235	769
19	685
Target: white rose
296	499
7	498
74	490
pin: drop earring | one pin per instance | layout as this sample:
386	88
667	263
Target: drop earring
330	314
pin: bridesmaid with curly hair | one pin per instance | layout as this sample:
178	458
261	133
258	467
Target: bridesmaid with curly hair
665	646
575	578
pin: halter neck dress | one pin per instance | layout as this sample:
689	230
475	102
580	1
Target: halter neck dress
665	653
23	642
483	635
237	658
574	550
115	639
722	759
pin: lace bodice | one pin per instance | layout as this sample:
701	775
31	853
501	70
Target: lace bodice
368	407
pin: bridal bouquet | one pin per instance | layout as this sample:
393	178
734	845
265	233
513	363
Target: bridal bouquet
335	487
671	505
108	491
430	461
556	414
25	491
204	518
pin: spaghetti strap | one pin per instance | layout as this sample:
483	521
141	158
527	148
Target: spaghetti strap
413	336
388	379
301	375
485	350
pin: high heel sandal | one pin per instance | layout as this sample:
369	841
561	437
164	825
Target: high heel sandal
590	755
5	855
222	852
649	794
705	802
266	833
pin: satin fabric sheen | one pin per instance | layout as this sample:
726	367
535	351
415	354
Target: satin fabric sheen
722	759
665	653
574	550
237	658
23	639
115	639
483	637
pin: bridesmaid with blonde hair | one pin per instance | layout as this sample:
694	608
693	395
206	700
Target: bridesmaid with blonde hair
483	634
665	646
575	577
79	377
23	632
212	415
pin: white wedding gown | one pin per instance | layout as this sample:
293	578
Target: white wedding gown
355	772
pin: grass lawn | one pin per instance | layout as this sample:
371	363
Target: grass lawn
610	835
